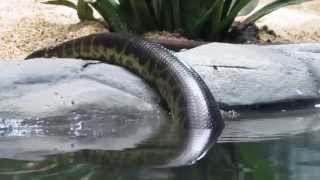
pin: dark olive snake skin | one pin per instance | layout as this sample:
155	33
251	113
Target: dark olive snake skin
191	104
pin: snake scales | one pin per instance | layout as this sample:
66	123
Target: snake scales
191	104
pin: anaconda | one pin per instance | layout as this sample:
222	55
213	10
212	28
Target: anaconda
192	106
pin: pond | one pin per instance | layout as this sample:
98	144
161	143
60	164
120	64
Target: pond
291	154
289	158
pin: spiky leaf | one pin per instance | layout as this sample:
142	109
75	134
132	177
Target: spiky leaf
61	3
84	11
109	10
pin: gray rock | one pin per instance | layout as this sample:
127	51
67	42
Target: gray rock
248	74
277	77
65	107
50	106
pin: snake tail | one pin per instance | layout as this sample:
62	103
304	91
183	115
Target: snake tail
191	104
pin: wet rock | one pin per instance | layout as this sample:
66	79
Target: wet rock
65	106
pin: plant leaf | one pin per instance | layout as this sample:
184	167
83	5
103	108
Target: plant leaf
249	8
163	14
62	3
217	16
227	7
143	15
176	12
196	15
167	15
157	7
84	11
267	9
109	10
229	19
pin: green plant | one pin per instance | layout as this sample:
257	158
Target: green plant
206	19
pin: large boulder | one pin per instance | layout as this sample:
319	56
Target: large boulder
50	105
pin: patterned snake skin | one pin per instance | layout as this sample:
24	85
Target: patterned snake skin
191	104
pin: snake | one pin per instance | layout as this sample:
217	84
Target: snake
192	106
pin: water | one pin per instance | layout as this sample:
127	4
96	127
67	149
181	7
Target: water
289	158
266	143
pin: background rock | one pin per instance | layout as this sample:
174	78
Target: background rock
249	74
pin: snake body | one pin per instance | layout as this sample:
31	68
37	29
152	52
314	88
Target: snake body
191	104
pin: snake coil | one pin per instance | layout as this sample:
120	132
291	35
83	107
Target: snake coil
190	101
